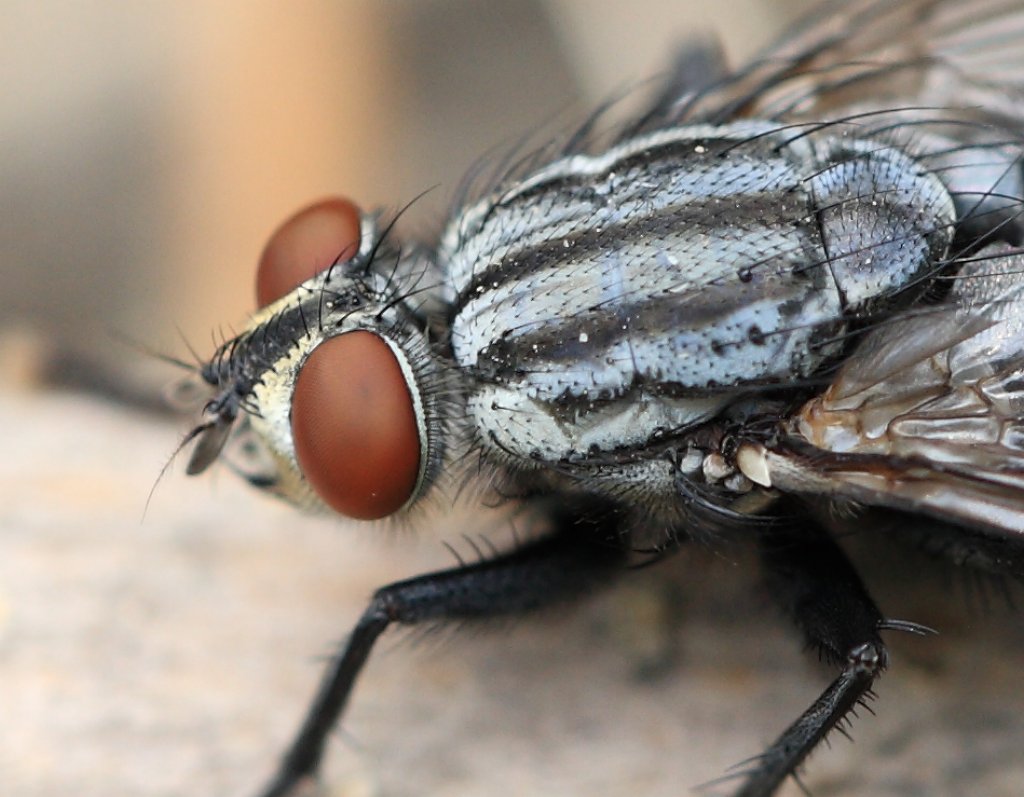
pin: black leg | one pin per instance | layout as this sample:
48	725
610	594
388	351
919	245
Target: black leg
579	554
815	583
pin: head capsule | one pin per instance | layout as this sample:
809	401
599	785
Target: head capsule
334	381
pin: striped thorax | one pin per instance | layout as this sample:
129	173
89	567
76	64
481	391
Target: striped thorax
606	307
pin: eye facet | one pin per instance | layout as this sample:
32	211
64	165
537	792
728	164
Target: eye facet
355	428
311	241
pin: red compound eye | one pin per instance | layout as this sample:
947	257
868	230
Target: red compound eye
306	244
354	426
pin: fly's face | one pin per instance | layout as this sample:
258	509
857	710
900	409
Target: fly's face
333	385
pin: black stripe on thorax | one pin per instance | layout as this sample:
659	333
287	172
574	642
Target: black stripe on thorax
704	215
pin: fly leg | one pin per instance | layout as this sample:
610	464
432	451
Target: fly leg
581	552
816	584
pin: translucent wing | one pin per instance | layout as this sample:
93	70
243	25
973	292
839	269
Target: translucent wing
876	53
928	414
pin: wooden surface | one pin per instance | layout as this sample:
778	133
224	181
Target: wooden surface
174	654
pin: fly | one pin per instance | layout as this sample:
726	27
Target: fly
782	290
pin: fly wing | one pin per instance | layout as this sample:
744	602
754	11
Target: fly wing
873	53
928	414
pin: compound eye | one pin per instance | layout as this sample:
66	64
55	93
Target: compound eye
311	241
354	426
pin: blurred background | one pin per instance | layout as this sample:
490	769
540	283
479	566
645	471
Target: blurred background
148	150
